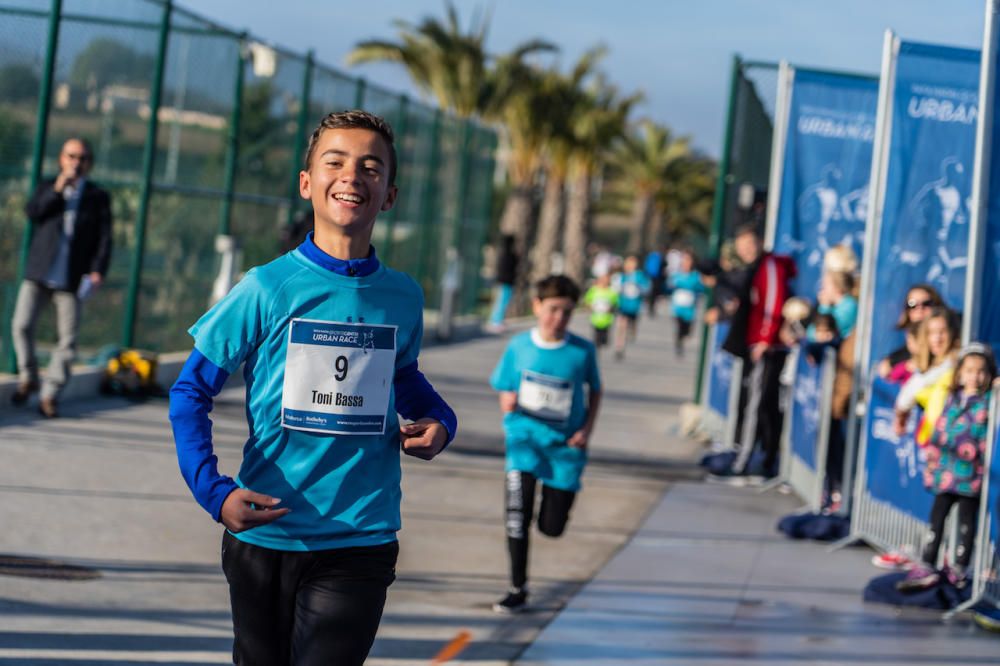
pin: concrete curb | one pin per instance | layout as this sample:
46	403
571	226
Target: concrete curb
86	379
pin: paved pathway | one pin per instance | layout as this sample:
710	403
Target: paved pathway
99	489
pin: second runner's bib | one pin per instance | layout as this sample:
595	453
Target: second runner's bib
544	397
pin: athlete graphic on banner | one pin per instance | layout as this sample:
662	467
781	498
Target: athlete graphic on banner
839	219
938	234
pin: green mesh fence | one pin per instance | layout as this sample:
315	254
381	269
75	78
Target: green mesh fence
746	162
750	152
233	120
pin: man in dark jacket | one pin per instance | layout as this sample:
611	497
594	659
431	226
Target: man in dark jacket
68	258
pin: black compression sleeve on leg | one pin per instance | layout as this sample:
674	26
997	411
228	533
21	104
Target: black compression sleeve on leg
520	500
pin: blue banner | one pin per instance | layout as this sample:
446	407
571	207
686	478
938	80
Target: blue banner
720	371
894	465
988	329
993	496
924	231
827	166
805	409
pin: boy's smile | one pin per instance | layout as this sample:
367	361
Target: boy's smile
348	183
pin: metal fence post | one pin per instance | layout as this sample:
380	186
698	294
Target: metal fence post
300	138
401	129
148	162
458	230
719	206
225	244
359	93
233	143
487	211
428	198
37	155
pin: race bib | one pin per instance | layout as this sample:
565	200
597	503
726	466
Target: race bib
602	307
632	290
683	298
544	397
338	377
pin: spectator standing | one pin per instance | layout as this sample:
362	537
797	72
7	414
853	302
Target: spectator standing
920	300
68	258
754	337
956	454
506	278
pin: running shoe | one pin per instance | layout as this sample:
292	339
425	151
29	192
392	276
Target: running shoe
920	577
516	601
893	562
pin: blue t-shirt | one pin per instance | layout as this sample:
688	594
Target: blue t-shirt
549	378
343	490
845	313
631	287
684	299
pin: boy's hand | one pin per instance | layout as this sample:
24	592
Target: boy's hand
238	515
508	401
423	439
580	439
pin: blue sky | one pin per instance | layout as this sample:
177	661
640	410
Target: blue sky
677	52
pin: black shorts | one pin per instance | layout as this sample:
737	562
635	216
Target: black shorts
600	337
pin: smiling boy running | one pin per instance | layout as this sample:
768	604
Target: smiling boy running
328	338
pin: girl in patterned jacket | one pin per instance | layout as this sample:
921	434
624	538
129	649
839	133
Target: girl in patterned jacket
956	455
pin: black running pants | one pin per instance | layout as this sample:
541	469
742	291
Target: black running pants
308	608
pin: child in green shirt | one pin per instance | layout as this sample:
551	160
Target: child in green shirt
602	300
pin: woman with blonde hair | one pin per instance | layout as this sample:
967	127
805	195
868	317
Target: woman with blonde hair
937	348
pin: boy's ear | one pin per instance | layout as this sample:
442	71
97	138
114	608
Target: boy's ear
305	185
390	197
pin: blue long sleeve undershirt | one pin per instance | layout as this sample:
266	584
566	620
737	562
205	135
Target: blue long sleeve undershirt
201	380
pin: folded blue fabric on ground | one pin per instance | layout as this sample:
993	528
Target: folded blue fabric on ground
719	463
942	596
816	526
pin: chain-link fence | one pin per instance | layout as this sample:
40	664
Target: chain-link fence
214	149
744	170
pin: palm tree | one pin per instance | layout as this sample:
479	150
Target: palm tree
444	61
566	98
454	67
599	120
523	117
648	157
684	204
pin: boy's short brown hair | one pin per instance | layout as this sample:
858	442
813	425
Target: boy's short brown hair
356	119
557	286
